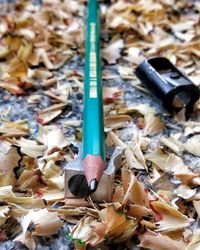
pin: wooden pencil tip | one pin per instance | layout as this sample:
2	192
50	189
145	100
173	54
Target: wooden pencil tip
93	169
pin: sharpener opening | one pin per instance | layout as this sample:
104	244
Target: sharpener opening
181	100
78	186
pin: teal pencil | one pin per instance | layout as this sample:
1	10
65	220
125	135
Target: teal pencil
93	120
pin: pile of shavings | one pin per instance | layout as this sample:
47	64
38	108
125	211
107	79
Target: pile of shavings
156	201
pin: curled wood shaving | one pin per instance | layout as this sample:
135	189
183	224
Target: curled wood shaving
173	143
192	145
157	241
46	115
7	194
111	94
171	219
195	243
13	129
132	161
117	121
13	88
41	222
3	214
185	192
112	52
31	148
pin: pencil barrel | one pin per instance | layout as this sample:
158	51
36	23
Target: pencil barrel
93	119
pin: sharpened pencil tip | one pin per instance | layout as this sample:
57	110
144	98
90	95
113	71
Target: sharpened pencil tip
93	185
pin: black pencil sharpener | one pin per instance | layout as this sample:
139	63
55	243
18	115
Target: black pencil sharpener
170	85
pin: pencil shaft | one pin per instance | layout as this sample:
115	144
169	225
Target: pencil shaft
93	122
